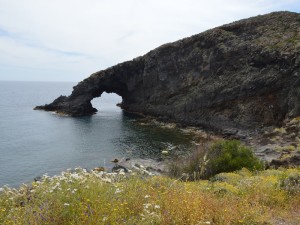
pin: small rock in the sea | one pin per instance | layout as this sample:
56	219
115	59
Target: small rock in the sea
118	168
115	161
99	169
149	168
37	179
137	165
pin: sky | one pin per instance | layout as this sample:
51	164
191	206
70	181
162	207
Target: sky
67	40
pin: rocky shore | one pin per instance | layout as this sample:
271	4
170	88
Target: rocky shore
276	146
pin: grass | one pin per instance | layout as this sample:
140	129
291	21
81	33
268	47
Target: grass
82	197
209	160
288	148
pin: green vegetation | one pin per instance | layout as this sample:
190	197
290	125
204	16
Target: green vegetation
237	192
288	148
79	197
227	156
223	156
280	130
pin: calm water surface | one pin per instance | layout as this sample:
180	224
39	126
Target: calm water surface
33	143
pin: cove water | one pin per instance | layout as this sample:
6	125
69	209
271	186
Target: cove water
33	143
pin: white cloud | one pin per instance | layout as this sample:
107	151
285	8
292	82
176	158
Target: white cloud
74	38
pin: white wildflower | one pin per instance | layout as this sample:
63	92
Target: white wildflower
104	219
157	207
107	180
146	206
147	211
121	172
113	174
75	176
147	196
45	176
118	191
63	178
66	204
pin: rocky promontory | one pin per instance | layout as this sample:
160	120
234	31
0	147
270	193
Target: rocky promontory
241	75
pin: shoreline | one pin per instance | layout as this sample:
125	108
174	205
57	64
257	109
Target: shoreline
274	146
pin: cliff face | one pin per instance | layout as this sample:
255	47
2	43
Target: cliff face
244	74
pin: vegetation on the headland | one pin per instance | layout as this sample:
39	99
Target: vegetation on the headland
224	184
207	161
81	197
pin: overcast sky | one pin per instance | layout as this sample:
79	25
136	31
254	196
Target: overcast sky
67	40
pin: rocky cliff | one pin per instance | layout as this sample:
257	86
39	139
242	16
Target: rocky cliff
244	74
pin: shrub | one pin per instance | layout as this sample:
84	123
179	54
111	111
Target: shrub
222	156
191	167
231	155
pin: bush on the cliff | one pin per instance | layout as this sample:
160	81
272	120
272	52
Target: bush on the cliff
231	155
222	156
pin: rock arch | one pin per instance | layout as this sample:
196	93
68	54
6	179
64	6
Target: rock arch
236	75
112	80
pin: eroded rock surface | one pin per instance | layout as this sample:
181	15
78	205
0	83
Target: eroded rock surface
279	146
241	75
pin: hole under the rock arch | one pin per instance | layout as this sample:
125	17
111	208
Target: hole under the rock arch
107	102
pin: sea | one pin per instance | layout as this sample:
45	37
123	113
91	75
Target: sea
34	142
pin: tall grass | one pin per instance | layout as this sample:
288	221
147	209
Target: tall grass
242	197
208	160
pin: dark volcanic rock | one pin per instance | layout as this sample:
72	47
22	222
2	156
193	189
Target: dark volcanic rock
293	161
241	75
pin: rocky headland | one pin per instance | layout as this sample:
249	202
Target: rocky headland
246	73
238	79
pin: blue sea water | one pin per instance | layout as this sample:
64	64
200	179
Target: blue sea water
33	143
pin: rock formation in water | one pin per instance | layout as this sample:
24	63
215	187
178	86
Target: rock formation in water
244	74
